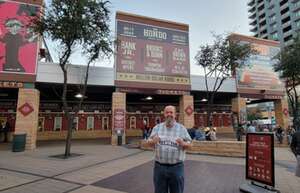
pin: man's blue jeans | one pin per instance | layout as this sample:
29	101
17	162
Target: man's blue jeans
168	178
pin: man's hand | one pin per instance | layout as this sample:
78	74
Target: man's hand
183	144
154	140
180	142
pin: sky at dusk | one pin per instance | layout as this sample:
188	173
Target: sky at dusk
202	16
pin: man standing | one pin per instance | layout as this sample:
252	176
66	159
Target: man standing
295	146
170	140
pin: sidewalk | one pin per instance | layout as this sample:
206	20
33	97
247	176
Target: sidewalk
115	169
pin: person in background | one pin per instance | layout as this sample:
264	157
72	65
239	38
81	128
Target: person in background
192	131
213	134
207	134
295	147
1	128
250	128
145	130
239	132
289	133
279	134
170	140
199	134
6	129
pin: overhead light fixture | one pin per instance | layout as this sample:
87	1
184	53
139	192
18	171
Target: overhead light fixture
149	98
79	96
204	100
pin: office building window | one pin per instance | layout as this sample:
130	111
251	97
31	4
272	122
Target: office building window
298	22
274	36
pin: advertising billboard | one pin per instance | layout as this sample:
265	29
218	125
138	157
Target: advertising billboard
119	119
18	42
151	53
260	158
258	76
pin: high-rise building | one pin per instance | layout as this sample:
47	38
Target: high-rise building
275	19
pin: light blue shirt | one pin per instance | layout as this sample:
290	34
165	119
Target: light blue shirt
167	150
251	129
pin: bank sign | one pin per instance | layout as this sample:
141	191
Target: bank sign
151	54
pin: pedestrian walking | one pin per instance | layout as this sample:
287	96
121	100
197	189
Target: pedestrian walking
239	132
295	147
279	134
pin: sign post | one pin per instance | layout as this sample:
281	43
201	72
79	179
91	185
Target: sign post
259	163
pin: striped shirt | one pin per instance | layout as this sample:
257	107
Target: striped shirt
167	151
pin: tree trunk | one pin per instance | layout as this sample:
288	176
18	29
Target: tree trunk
296	119
209	116
70	119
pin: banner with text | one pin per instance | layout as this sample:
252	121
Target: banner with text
258	76
151	55
18	42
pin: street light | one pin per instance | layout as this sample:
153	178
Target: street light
148	98
204	100
79	95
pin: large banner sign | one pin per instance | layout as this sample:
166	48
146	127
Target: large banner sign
258	76
18	43
151	53
260	158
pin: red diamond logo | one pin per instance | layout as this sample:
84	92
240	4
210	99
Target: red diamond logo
189	110
25	109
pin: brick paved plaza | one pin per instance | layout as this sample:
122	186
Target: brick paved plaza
115	169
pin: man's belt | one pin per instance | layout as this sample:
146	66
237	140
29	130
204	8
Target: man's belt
167	164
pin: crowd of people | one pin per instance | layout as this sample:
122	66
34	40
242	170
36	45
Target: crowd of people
203	134
243	129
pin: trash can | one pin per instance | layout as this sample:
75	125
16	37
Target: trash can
19	142
119	139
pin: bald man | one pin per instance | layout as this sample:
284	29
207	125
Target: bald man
170	140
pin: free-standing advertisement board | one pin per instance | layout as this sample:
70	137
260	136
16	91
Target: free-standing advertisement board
260	158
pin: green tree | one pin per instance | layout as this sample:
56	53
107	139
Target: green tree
288	66
219	62
76	24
